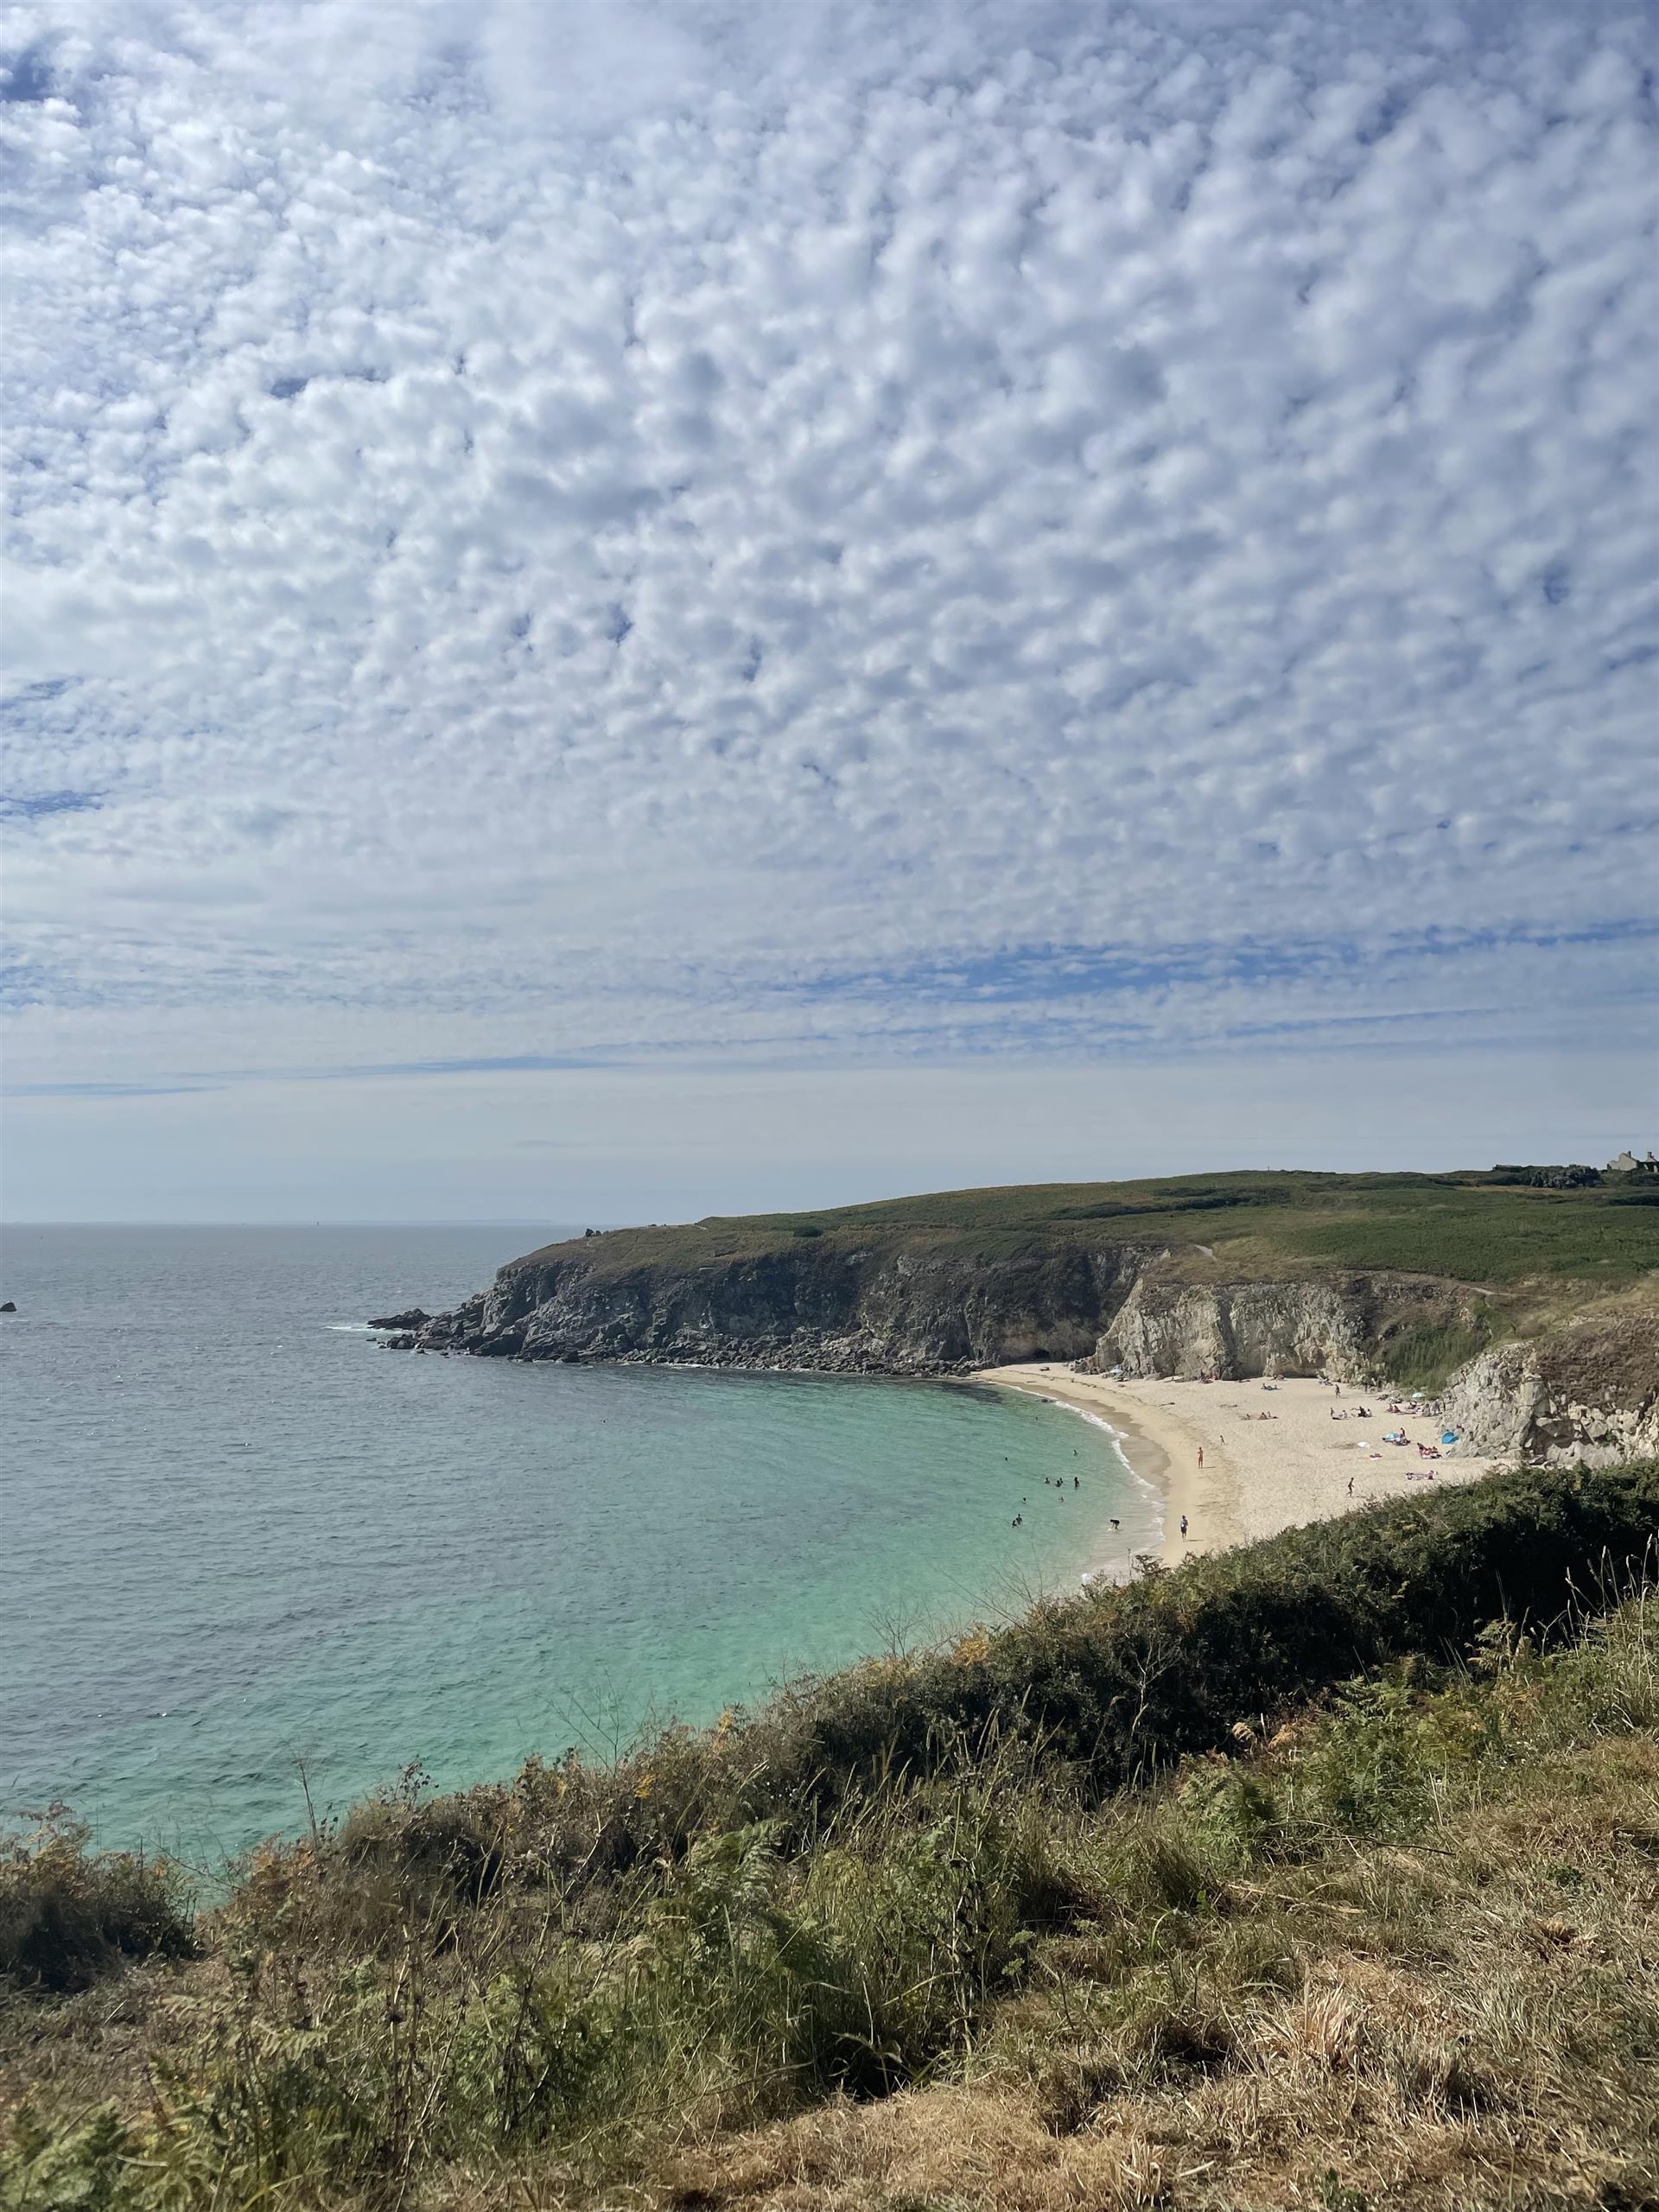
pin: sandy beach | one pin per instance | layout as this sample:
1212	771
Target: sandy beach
1299	1464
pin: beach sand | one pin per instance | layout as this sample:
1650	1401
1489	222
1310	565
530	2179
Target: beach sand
1258	1476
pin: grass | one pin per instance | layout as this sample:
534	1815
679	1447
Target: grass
1327	1866
1420	1354
1401	1957
1254	1225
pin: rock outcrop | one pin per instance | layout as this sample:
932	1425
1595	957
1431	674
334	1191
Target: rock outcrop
1586	1397
869	1312
1340	1326
927	1313
1267	1328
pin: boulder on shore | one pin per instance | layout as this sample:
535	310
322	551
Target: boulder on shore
415	1319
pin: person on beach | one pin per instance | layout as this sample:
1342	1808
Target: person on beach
1114	1524
1200	1455
1350	1486
1183	1524
1076	1483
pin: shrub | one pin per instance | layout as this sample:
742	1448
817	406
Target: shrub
1104	1690
1122	1684
66	1915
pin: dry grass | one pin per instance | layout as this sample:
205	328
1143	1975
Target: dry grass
1468	2021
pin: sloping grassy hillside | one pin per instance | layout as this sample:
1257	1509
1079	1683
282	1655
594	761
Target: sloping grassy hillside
1255	1226
1321	1872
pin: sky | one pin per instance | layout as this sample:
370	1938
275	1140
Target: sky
619	611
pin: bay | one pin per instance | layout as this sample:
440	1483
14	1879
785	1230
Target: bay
240	1543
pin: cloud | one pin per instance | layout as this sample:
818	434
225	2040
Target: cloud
823	536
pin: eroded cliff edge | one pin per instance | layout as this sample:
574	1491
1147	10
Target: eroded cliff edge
1124	1306
824	1307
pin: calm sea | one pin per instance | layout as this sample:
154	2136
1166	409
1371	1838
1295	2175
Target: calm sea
240	1539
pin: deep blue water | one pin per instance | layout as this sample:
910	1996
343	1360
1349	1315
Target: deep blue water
238	1537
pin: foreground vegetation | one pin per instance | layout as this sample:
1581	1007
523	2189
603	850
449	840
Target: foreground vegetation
1324	1872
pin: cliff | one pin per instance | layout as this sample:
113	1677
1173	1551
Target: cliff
840	1311
940	1312
1368	1278
1352	1327
1587	1395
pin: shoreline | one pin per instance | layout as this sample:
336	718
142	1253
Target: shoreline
1300	1452
1160	1449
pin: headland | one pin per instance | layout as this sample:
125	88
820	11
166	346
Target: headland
1526	1301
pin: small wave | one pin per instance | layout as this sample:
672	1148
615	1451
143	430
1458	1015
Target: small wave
352	1329
1150	1490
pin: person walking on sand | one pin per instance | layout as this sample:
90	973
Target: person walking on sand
1183	1524
1350	1486
1200	1455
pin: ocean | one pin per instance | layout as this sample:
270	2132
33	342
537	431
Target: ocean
248	1555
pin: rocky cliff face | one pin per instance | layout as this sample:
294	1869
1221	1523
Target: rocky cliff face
1341	1327
1235	1329
1587	1396
914	1313
927	1313
1589	1393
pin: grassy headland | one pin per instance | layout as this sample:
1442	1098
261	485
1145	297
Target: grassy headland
1319	1872
1365	1278
1467	1227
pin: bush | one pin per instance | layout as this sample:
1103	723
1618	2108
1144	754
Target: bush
1121	1685
67	1916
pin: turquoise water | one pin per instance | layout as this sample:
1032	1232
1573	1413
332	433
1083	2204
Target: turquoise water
239	1538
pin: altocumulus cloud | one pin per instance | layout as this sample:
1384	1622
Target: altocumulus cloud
823	533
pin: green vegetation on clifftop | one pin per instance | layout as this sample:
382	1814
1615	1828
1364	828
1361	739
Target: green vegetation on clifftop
1255	1225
